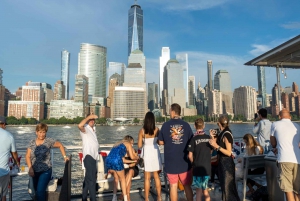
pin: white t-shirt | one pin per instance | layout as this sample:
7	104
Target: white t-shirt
287	135
257	150
90	143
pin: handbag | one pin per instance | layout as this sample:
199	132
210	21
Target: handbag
141	160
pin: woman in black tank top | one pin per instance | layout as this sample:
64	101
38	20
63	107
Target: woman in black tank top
226	166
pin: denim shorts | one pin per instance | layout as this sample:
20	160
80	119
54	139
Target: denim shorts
201	182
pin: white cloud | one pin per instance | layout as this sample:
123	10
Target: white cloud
259	49
291	25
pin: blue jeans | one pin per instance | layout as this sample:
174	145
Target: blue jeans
40	181
89	183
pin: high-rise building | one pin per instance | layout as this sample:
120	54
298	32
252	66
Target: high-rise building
262	91
215	107
32	103
81	89
292	102
245	103
183	60
65	71
295	88
274	95
92	63
128	103
200	92
135	28
1	72
48	92
285	101
115	69
113	82
136	59
191	90
163	60
59	90
152	96
209	75
173	79
222	82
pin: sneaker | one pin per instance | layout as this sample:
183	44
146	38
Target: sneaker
114	198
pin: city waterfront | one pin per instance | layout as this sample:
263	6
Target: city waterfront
70	136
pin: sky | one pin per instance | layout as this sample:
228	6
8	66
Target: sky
228	32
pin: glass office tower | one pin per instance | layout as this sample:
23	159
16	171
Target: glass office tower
65	71
135	28
92	63
261	78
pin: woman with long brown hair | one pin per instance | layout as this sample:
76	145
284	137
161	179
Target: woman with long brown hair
252	148
152	161
226	166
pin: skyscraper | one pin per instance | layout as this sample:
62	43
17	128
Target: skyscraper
191	90
163	60
209	75
173	86
222	82
295	88
152	96
92	63
115	69
1	71
59	90
135	28
65	70
183	60
261	78
135	73
245	102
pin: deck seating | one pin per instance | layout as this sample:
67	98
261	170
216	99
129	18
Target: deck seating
251	162
63	192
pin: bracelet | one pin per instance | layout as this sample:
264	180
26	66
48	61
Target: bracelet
218	149
65	156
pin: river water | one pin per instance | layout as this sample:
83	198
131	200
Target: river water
71	136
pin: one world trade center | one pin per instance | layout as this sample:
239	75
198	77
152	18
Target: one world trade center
135	28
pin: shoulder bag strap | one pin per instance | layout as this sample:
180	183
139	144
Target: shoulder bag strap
144	143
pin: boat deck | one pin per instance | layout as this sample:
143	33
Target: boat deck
138	195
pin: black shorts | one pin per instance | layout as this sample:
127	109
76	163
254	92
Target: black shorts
135	170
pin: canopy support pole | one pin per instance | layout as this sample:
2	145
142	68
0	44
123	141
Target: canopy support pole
278	87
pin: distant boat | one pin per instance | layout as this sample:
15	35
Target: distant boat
66	127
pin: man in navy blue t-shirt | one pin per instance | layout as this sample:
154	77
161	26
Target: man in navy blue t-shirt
175	136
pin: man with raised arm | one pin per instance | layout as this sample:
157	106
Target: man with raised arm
175	135
7	147
90	148
285	138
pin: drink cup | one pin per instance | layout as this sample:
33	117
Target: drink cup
22	168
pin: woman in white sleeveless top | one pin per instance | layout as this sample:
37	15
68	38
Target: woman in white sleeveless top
152	161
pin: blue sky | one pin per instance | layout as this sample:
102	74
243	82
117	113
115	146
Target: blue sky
229	32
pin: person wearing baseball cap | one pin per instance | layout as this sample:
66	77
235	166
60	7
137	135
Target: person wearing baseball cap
7	146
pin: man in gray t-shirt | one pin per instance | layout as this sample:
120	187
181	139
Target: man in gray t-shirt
7	146
263	129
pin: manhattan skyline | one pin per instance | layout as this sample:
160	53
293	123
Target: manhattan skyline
228	32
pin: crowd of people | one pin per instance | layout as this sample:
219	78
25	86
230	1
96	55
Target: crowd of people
190	159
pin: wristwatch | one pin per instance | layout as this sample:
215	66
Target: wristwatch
218	149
